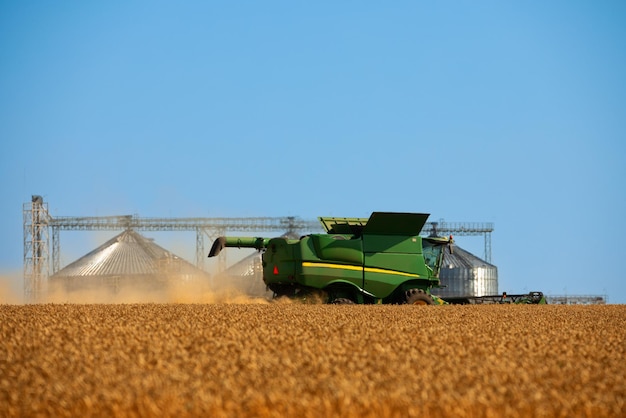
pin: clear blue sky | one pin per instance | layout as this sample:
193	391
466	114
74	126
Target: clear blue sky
489	111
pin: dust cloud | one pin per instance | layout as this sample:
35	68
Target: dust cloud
214	289
11	288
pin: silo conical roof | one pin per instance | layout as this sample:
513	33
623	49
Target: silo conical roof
461	258
128	253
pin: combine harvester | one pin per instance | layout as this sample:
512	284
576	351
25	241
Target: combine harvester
380	259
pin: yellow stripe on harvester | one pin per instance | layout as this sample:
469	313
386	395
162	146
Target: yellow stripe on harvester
357	268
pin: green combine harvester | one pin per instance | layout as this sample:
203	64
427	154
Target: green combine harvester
382	259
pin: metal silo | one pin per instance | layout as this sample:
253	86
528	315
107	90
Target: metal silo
464	274
127	261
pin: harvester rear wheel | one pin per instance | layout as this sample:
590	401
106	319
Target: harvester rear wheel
418	297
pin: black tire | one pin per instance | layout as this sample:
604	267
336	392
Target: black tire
342	301
418	297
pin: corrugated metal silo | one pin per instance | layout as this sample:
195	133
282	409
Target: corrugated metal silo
464	274
128	260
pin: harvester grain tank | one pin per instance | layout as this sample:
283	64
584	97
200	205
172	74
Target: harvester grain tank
380	259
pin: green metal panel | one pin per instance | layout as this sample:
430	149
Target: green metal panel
382	284
281	258
392	244
338	248
320	275
327	259
388	223
397	264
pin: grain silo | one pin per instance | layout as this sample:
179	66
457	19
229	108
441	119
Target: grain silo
128	261
464	274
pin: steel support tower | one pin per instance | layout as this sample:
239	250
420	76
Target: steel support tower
36	265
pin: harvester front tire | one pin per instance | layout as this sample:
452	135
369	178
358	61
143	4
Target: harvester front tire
418	297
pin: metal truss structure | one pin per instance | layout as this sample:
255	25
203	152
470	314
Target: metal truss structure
36	266
443	228
38	222
204	227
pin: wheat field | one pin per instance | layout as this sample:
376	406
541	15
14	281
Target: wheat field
294	360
